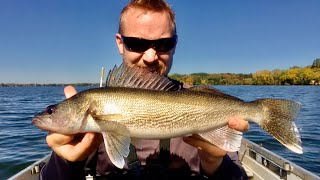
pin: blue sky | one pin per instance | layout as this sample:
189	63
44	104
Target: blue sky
69	41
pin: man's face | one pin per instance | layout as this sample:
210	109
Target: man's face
150	26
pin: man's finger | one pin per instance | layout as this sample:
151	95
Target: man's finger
239	124
69	91
81	148
200	143
90	140
57	140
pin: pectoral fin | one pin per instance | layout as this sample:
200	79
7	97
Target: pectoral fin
107	117
225	138
115	136
117	147
98	116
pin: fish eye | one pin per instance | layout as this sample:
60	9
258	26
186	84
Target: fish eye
50	109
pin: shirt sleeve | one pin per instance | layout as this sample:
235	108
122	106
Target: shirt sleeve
230	168
59	168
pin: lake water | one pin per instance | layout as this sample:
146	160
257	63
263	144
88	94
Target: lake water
21	143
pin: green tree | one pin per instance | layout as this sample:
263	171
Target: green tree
316	74
189	80
316	63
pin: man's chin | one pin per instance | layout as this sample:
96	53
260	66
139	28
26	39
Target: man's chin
156	70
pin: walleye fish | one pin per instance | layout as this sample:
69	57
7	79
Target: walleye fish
137	104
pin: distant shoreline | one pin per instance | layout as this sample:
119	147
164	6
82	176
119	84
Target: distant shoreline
97	85
49	84
309	75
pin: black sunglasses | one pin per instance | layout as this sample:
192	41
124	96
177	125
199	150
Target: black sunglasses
141	45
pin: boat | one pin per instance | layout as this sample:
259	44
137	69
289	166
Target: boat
258	162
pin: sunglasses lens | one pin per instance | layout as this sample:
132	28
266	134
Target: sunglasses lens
141	45
165	44
135	44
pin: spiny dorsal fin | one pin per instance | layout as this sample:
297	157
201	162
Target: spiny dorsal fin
136	77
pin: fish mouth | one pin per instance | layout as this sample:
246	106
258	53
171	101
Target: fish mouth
40	123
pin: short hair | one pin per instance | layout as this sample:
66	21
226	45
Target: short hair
149	5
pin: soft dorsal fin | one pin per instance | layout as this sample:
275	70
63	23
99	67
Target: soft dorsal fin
136	77
206	88
211	90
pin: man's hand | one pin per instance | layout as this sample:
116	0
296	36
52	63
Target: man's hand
75	147
210	155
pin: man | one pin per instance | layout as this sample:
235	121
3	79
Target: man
140	21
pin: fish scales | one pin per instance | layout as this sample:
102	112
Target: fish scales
152	113
127	109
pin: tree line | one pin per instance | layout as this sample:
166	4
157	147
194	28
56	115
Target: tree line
49	84
309	75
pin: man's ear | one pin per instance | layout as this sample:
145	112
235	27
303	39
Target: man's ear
174	49
119	43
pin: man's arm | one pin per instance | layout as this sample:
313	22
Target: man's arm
59	168
212	157
230	168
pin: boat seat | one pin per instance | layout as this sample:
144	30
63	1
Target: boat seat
248	171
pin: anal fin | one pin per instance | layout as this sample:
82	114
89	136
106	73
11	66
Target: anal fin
225	138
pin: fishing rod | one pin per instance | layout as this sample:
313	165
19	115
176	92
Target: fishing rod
101	76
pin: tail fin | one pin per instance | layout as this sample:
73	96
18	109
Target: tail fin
278	121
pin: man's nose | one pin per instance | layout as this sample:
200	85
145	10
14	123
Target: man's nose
150	56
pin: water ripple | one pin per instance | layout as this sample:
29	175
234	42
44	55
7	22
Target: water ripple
21	143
